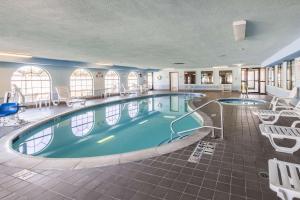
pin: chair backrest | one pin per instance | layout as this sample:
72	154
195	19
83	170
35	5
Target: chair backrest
63	92
297	106
293	93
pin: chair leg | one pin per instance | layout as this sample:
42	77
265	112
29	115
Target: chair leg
289	150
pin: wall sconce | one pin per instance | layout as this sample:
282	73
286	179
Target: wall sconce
99	75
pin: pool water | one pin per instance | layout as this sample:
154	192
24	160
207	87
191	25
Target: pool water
108	129
241	102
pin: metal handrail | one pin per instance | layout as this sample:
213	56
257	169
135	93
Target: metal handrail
200	127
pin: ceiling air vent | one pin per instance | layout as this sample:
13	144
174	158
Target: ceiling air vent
239	30
178	63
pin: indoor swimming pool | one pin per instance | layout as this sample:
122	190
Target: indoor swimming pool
241	102
114	128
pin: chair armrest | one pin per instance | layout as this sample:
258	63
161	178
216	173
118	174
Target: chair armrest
284	98
283	111
295	124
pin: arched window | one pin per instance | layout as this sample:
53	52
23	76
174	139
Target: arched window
112	82
37	142
112	114
81	83
133	109
132	80
82	124
34	83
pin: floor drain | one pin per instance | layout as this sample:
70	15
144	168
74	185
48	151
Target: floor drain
263	174
24	174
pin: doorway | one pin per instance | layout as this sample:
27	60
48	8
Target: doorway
174	81
253	80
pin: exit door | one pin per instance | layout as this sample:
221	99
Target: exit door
253	80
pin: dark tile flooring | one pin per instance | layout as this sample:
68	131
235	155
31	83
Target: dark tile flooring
232	172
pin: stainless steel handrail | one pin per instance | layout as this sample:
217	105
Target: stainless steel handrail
200	127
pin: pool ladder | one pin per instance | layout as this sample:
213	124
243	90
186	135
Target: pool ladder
173	132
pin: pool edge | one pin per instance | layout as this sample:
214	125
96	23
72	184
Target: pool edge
10	157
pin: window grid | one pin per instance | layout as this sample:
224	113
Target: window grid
112	114
207	77
271	76
290	76
34	83
81	83
37	142
133	109
112	82
225	77
132	80
279	75
82	125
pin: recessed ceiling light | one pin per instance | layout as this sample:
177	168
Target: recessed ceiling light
15	55
239	64
104	64
169	69
220	67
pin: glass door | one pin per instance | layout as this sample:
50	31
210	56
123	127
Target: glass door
253	80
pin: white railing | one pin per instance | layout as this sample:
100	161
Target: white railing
173	132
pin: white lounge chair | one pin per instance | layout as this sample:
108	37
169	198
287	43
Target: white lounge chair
124	91
277	112
63	95
284	179
283	101
282	132
133	90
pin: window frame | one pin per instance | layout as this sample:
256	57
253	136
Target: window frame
279	71
79	84
27	78
191	74
290	74
271	76
132	80
110	82
212	77
226	71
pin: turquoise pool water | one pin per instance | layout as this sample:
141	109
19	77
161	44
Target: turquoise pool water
241	102
108	129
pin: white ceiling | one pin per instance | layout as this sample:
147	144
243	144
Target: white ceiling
148	33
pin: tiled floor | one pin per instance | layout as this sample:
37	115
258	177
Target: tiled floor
230	173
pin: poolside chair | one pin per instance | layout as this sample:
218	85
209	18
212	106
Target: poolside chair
282	132
124	91
63	95
277	112
8	110
284	179
281	101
